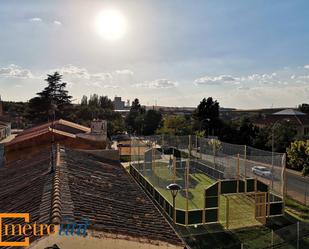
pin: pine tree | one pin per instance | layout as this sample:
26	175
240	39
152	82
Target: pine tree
54	97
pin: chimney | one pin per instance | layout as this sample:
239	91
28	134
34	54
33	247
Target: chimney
98	127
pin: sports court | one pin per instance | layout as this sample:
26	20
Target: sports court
206	195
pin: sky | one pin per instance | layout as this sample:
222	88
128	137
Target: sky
245	54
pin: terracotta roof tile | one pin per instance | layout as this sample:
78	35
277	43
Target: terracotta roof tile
83	187
111	199
60	125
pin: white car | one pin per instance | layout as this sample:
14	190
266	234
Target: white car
262	171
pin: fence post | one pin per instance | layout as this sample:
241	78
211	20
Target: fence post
200	148
245	165
297	246
272	238
268	203
214	152
190	145
305	195
218	195
144	163
204	209
174	168
138	153
162	140
187	191
283	180
227	211
238	169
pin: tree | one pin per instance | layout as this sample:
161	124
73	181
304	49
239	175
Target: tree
261	140
298	156
99	107
54	97
229	132
304	108
134	120
284	134
247	132
176	125
206	115
84	100
152	120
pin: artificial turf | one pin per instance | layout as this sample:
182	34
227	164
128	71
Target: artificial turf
241	207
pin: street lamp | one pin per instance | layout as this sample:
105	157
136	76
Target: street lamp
174	188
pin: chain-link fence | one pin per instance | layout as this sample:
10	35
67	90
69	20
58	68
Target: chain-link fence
295	236
225	160
195	164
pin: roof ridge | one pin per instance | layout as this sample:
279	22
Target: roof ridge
46	200
56	197
74	125
62	205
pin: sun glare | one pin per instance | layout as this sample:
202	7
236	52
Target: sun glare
111	24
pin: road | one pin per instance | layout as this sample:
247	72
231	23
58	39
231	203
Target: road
297	187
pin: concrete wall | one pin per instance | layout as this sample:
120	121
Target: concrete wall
100	241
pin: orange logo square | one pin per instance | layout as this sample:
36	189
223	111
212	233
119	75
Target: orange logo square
26	218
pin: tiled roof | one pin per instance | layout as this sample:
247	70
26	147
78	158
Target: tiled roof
22	184
26	186
60	125
291	119
83	187
289	112
111	199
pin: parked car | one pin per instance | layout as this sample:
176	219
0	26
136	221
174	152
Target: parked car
262	171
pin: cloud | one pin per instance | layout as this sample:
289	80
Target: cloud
303	77
124	72
73	72
56	22
261	78
100	79
157	84
35	19
14	71
216	80
243	88
306	66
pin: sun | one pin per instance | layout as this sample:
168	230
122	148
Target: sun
111	24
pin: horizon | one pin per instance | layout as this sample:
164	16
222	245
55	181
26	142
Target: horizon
246	55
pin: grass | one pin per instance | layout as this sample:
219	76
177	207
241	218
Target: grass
215	236
162	176
241	207
297	209
242	224
125	158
